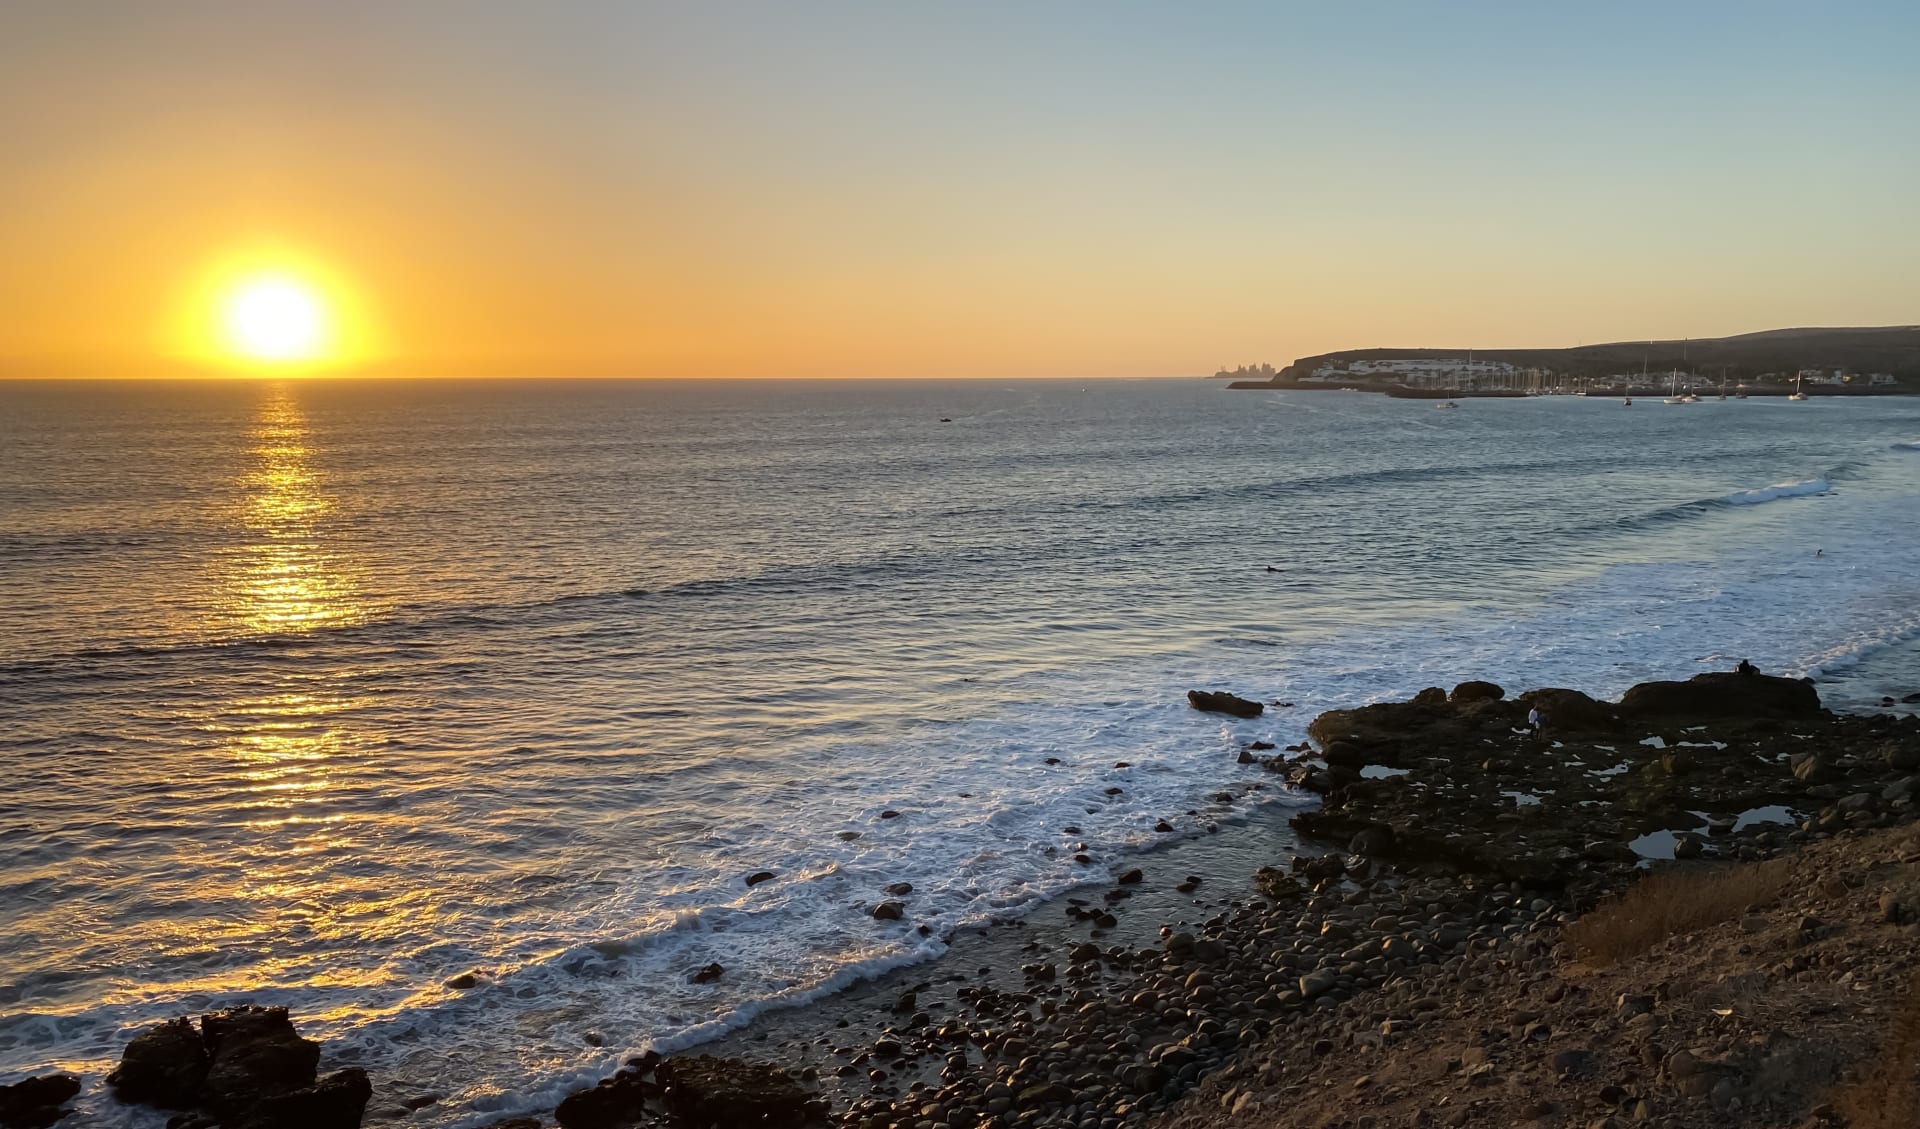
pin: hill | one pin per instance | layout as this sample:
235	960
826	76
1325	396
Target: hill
1892	350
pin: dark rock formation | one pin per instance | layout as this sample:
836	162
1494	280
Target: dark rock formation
256	1055
1474	690
35	1102
889	911
163	1066
1219	701
1565	710
337	1101
612	1103
245	1068
1722	697
703	1090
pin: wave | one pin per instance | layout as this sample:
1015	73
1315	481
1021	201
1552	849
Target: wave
1909	445
1802	489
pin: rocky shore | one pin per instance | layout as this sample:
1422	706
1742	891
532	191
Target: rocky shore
1435	959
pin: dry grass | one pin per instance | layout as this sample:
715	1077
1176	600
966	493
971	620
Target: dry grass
1886	1097
1673	902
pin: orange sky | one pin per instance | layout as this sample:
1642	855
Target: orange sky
989	190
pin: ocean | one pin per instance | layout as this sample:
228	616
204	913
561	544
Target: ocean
325	693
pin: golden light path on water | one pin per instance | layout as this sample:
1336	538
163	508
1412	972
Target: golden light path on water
286	760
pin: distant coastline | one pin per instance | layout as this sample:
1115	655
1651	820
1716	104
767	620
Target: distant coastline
1874	361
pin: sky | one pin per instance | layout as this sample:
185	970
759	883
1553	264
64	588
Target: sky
891	189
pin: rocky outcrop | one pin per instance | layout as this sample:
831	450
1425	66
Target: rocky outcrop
1219	701
1569	710
1561	807
611	1103
245	1068
163	1066
1475	690
1722	697
35	1102
337	1101
256	1055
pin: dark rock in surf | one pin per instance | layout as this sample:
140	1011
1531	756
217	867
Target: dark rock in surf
611	1103
338	1101
1722	696
1219	701
35	1102
761	876
1474	690
889	911
708	974
163	1066
256	1055
900	889
704	1090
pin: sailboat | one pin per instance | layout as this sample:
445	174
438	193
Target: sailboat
1798	394
1448	402
1674	397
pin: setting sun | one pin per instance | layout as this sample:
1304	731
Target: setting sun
275	319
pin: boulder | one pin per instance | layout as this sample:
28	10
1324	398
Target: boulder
1721	696
35	1102
1345	754
1276	884
1901	756
1386	724
163	1066
611	1103
889	911
704	1090
337	1101
256	1055
1433	696
1219	701
1565	710
1475	690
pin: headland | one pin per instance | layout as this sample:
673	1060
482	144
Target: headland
1871	361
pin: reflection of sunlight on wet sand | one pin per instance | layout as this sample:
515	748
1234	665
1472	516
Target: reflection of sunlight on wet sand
286	579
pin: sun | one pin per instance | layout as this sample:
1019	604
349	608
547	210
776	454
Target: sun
276	319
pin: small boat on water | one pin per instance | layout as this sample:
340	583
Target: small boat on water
1798	393
1626	401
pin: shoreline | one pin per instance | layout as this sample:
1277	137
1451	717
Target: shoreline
1040	988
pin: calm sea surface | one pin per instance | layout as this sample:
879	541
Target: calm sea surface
323	693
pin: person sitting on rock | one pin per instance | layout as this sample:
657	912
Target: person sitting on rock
1746	667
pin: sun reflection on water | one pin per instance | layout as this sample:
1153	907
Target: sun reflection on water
287	578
